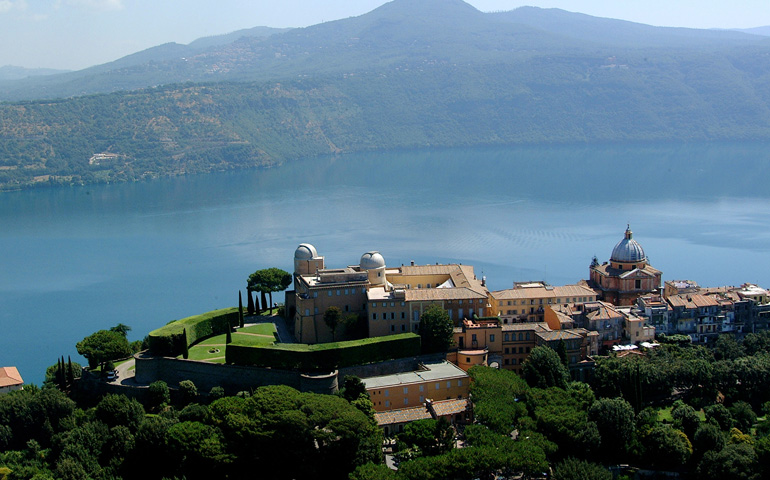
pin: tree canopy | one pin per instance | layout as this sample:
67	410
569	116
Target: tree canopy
103	346
269	280
436	330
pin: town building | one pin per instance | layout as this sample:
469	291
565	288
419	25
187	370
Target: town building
10	380
627	276
526	301
433	381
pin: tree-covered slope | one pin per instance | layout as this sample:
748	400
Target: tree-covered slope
408	74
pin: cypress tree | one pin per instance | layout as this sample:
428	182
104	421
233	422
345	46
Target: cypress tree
185	351
70	371
240	309
60	373
265	306
229	337
250	301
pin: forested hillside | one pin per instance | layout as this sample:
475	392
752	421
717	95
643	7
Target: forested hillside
408	74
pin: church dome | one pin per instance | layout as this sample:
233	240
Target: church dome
305	251
371	261
628	250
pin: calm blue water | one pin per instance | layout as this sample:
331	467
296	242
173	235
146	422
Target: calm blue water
75	260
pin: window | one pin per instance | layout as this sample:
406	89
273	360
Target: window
515	311
347	308
492	337
347	291
422	388
513	361
315	310
374	316
339	292
506	337
500	303
460	302
521	349
403	327
392	315
392	304
473	337
419	285
459	383
406	390
521	337
467	359
427	286
509	302
330	293
507	350
406	401
387	392
392	328
402	304
307	312
403	315
527	338
449	384
387	403
374	304
315	294
438	385
507	361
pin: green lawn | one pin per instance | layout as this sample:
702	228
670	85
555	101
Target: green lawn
245	339
201	352
260	328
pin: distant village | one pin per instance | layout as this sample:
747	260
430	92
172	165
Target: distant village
621	308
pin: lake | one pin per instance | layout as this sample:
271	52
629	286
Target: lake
76	260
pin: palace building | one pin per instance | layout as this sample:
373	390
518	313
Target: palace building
391	299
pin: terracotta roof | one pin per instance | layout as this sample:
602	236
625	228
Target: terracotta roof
543	292
558	335
606	269
428	294
403	415
692	300
536	326
601	311
9	376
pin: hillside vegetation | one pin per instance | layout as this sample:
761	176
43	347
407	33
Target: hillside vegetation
409	74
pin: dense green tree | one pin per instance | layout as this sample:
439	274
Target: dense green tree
755	343
574	469
496	397
72	371
158	394
734	462
743	415
426	437
113	410
187	391
685	418
103	346
615	421
665	447
707	438
543	369
121	329
269	280
436	330
720	415
332	318
727	348
352	388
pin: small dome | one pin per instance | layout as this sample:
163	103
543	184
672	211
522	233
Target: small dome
305	251
628	250
372	260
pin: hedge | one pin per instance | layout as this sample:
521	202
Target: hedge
324	356
170	339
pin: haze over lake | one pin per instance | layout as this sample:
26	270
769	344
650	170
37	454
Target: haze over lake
75	260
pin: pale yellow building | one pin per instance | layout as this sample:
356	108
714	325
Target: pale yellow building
432	381
390	300
527	301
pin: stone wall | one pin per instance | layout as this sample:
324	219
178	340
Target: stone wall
233	378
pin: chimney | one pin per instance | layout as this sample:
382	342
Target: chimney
413	263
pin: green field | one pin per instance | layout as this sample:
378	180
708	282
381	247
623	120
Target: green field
259	334
259	328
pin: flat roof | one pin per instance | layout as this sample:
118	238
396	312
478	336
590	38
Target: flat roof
432	372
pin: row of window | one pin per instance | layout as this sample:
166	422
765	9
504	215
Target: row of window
339	291
512	337
521	350
385	316
421	387
539	301
385	304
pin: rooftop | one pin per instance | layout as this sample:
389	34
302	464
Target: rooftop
9	377
431	372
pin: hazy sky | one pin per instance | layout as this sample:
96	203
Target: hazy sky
74	34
